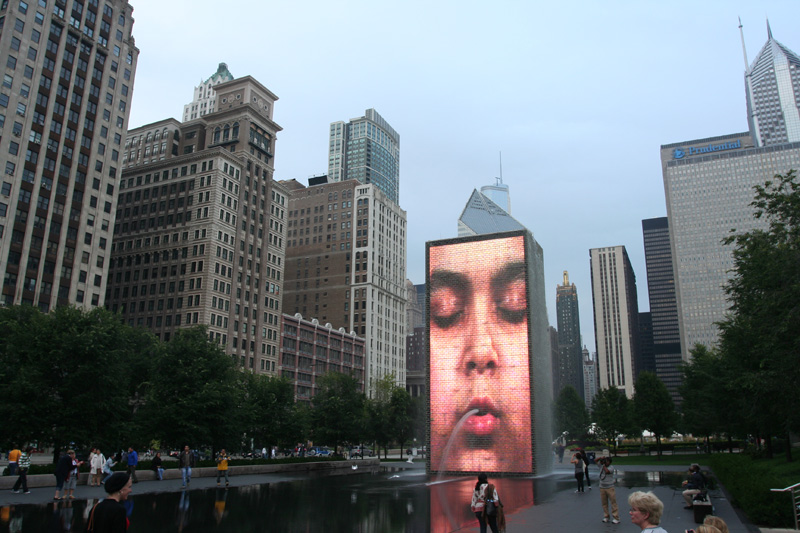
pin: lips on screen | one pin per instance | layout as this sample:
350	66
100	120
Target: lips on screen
479	356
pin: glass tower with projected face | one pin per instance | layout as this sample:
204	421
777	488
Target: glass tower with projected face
489	355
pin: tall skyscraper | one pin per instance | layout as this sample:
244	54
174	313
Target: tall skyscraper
589	376
498	193
366	149
346	265
200	228
708	184
570	357
616	317
772	84
663	303
481	215
647	359
205	95
67	88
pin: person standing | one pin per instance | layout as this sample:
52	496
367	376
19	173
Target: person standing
24	463
110	515
13	461
63	468
586	469
186	462
479	501
607	491
577	460
646	511
694	485
133	460
222	466
96	462
156	464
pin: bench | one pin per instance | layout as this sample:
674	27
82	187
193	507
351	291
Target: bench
702	507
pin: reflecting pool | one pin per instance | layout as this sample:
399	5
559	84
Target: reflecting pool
376	499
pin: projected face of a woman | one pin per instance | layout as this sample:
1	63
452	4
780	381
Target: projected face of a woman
479	356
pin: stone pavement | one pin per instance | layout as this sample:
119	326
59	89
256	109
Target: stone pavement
566	511
563	510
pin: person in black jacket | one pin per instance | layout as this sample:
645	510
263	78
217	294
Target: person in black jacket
110	516
694	485
63	468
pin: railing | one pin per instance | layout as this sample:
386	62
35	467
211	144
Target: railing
794	491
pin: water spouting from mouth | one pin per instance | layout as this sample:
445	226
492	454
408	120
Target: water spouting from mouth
453	435
446	455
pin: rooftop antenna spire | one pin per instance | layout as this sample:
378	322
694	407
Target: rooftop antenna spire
500	179
744	50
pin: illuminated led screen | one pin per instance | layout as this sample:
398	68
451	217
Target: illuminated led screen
480	368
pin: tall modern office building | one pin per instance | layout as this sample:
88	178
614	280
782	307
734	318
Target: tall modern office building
200	228
482	215
66	94
346	265
663	304
366	149
772	85
498	193
647	360
205	95
570	358
616	317
708	184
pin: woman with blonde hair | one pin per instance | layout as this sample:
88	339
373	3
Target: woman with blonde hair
717	522
646	511
705	529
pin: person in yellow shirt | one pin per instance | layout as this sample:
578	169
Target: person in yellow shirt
13	461
222	466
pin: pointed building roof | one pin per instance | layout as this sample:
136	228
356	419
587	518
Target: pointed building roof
222	74
772	51
481	216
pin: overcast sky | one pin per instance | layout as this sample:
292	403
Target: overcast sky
578	97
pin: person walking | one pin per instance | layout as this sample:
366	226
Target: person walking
13	461
24	463
577	460
107	466
186	462
607	491
222	466
133	461
110	515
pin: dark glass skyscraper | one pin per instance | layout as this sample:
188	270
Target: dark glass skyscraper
663	303
569	370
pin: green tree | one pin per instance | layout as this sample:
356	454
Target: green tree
760	335
570	413
67	376
379	424
401	413
338	410
195	395
611	414
653	407
272	415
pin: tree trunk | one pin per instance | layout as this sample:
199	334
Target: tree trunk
768	440
788	446
730	443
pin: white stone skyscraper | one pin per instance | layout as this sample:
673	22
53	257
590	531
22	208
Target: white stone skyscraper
616	317
64	106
